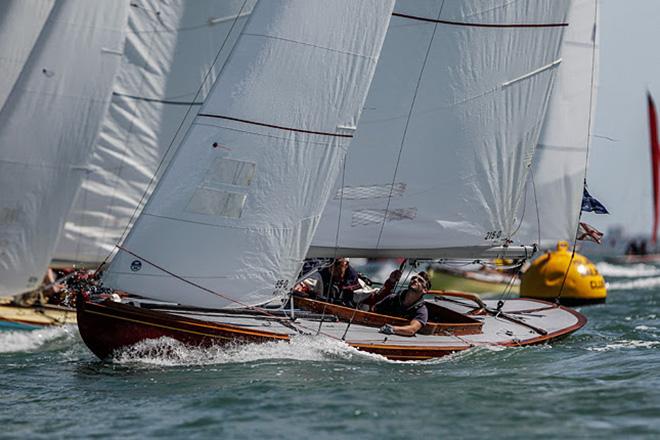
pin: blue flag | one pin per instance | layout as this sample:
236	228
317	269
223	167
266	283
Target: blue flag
590	204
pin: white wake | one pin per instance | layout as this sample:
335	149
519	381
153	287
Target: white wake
28	340
628	270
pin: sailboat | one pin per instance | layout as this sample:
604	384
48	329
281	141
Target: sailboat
249	192
637	251
53	99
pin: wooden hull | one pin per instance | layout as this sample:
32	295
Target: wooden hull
34	317
107	326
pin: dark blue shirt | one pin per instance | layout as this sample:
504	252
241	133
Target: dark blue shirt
391	305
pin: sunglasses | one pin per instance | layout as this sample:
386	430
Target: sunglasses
420	280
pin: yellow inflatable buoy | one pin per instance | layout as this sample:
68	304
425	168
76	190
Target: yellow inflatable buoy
544	277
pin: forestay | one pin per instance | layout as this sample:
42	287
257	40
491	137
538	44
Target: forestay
47	132
170	47
235	211
439	162
561	156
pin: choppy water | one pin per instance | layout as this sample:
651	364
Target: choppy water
602	382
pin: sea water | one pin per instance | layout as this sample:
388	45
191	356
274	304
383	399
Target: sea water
601	382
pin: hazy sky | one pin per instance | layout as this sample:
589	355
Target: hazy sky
619	173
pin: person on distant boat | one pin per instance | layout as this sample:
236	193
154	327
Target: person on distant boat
632	248
407	304
642	247
335	283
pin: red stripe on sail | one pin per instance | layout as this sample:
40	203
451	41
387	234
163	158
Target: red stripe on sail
655	162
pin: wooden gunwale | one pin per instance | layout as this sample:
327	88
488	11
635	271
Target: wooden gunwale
371	319
550	336
40	311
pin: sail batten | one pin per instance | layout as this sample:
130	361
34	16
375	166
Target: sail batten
241	200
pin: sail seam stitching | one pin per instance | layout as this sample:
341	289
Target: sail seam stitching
485	25
302	43
160	101
279	127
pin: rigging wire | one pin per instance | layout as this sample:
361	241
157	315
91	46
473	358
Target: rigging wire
586	162
157	22
334	259
176	134
228	298
405	130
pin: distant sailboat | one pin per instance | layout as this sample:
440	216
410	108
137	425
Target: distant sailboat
237	209
638	251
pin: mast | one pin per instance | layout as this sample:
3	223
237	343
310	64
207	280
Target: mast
655	162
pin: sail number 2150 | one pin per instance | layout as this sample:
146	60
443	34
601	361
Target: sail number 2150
493	235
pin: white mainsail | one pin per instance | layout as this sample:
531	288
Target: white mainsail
561	157
170	47
21	22
237	207
47	128
440	159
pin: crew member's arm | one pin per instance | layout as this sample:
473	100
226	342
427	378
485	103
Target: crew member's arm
387	288
402	330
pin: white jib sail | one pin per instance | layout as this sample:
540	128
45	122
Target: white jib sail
170	47
237	207
561	156
21	22
439	162
47	129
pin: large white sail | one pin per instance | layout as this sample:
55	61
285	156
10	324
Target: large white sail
236	209
170	47
47	128
440	159
553	200
21	22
